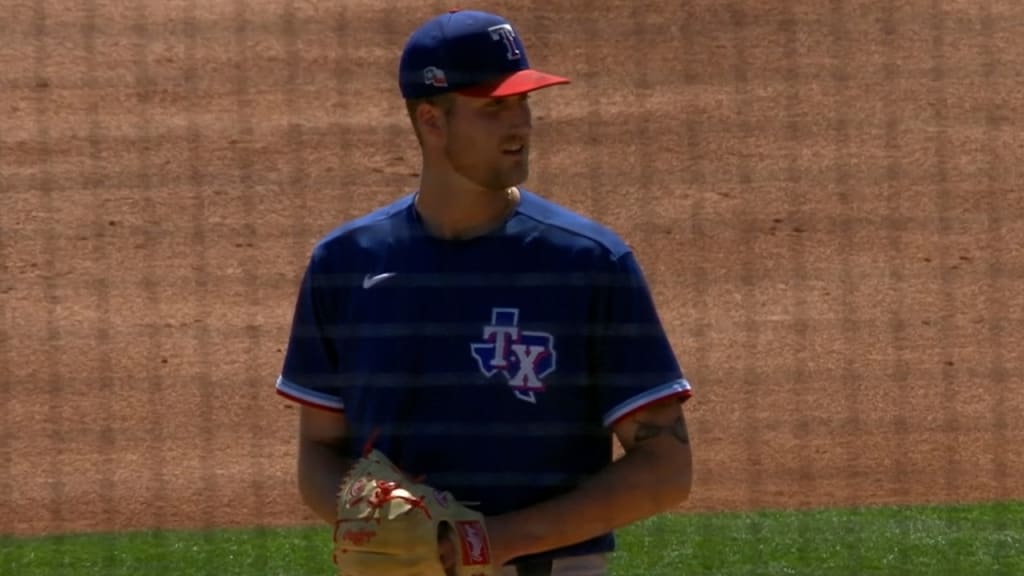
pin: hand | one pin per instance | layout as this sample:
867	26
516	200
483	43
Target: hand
446	549
499	536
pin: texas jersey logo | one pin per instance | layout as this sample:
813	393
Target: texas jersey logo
523	358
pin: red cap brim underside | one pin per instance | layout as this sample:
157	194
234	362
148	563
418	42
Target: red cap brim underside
519	82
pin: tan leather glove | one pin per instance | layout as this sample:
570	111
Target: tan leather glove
390	525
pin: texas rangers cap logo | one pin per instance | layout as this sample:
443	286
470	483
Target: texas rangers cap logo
522	357
505	33
435	77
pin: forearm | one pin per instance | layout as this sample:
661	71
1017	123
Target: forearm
321	470
638	485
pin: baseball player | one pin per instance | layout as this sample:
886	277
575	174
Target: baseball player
484	339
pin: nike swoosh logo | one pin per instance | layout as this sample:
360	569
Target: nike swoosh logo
372	279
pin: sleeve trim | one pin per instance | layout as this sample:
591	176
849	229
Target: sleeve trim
297	393
677	388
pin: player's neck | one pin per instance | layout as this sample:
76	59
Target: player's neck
452	211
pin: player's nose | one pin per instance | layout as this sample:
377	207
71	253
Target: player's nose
522	116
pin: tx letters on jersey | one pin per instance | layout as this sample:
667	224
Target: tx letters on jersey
522	357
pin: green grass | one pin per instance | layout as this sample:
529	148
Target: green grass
955	541
982	540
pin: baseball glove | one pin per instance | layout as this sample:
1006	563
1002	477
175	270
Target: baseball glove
390	525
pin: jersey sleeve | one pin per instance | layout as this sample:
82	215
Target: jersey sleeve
634	363
310	368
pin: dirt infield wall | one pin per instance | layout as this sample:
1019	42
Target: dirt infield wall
826	197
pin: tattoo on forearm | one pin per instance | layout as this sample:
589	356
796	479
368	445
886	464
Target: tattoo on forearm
646	431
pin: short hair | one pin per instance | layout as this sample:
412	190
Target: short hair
446	102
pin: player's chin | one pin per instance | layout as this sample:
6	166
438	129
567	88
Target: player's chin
514	177
515	168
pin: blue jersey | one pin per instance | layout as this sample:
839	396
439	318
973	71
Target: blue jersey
496	366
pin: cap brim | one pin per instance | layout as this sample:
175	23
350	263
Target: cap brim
514	84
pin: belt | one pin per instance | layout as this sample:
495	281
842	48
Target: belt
533	567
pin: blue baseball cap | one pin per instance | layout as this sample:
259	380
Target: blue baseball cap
470	52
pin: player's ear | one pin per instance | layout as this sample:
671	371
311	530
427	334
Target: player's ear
430	120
